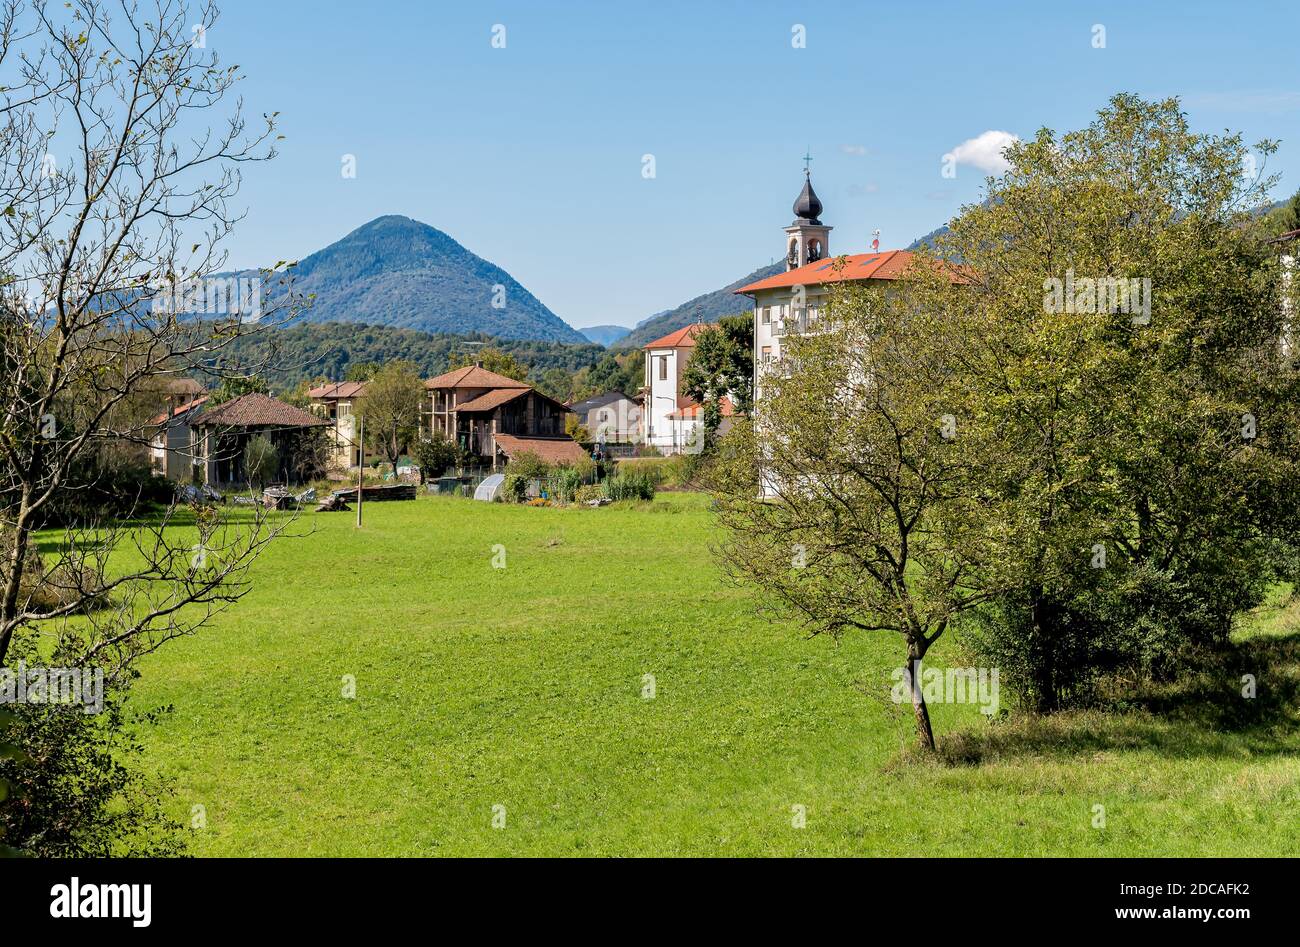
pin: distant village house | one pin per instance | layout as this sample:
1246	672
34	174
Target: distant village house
495	418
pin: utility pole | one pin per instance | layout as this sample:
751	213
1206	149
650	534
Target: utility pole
361	466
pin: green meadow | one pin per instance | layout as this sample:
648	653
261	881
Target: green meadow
607	693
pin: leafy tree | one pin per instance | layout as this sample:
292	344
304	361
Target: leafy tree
494	360
605	375
1150	437
391	407
1115	487
1285	219
721	366
261	460
576	429
362	371
868	528
236	386
434	455
557	383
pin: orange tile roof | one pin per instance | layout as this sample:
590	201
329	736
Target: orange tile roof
688	410
471	376
553	450
337	389
494	398
682	338
887	265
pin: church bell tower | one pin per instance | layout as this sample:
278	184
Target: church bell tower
807	238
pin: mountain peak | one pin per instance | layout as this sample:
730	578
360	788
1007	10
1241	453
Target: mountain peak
397	271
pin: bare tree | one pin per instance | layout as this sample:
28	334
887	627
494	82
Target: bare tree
121	155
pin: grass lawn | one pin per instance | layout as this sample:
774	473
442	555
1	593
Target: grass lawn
522	687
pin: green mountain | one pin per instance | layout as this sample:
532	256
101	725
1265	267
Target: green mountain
706	308
395	271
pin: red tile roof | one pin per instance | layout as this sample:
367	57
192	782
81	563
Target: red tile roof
886	265
688	410
337	389
471	376
682	338
553	450
494	398
257	410
188	406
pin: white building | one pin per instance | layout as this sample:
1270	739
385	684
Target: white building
794	302
672	421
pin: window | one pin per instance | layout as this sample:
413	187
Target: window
663	367
767	315
604	416
767	354
345	410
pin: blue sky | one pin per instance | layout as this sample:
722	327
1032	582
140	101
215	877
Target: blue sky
531	155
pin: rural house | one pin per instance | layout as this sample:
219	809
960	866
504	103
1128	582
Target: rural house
337	402
496	418
610	418
222	433
171	441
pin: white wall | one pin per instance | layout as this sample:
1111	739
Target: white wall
661	399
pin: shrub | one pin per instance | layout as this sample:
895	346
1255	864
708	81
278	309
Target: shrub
433	455
514	489
261	459
529	466
633	485
565	483
76	787
588	492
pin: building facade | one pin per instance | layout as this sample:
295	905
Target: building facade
610	418
495	418
221	435
664	427
337	402
796	302
172	441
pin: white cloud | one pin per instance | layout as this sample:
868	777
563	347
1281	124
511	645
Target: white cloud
984	151
858	150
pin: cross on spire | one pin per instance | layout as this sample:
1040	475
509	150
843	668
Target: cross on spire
806	159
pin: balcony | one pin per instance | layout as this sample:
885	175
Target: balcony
797	323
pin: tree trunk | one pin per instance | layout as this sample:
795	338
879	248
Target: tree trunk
1043	654
924	732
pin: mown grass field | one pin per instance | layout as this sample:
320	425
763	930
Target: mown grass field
522	687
